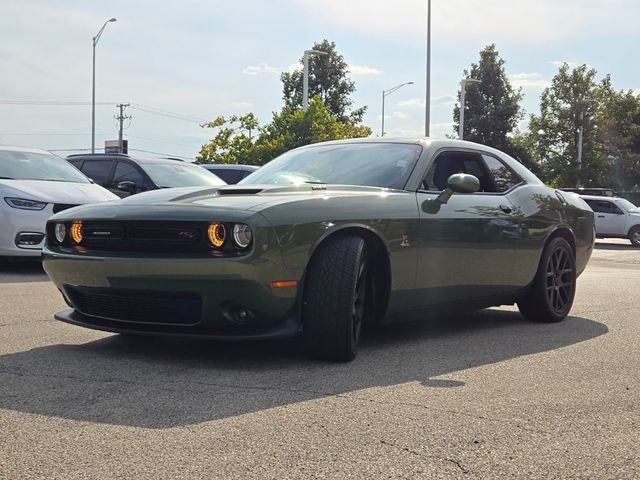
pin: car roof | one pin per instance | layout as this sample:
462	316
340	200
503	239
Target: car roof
113	156
228	166
599	197
13	148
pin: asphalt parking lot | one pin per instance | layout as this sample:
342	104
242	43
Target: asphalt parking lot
487	395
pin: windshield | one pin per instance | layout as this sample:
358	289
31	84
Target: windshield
626	205
371	164
15	165
166	175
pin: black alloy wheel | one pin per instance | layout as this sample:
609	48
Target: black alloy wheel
634	236
551	295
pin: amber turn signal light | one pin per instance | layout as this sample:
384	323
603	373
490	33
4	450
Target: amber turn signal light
76	231
217	234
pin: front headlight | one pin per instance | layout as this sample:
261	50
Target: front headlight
60	232
242	235
24	204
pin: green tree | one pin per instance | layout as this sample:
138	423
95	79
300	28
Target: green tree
328	78
569	103
492	107
233	141
239	139
294	127
618	115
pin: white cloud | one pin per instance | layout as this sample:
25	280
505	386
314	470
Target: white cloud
260	69
528	80
559	63
413	103
363	70
294	67
400	115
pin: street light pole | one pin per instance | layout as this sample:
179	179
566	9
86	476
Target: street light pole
580	135
385	94
305	75
463	86
93	86
427	113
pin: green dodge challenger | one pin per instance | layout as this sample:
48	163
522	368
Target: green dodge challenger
323	240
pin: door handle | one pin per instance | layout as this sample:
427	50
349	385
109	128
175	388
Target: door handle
600	216
505	208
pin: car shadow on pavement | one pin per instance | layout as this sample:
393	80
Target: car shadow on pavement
22	271
161	383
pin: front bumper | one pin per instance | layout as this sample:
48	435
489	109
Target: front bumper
221	287
14	221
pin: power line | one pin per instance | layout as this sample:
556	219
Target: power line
163	154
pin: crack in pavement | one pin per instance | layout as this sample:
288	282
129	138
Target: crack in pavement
430	457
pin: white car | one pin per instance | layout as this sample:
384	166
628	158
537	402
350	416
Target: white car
615	217
34	184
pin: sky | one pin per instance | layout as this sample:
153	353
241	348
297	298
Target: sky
180	64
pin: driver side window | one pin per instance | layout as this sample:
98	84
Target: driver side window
494	176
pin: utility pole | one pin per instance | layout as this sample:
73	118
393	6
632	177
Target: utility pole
121	119
305	75
427	105
463	86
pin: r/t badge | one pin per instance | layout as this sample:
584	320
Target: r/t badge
405	241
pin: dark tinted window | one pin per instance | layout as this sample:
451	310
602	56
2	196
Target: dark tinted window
449	163
503	178
98	170
602	206
229	176
76	163
125	172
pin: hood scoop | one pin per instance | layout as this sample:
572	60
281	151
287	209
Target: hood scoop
239	191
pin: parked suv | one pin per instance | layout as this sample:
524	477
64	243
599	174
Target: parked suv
615	217
230	173
125	175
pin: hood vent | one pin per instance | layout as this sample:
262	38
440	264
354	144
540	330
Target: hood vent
239	191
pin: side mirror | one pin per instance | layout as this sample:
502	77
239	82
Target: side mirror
128	187
463	183
457	183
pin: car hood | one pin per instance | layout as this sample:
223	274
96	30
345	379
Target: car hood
230	201
55	192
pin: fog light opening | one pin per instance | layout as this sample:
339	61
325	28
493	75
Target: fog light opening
238	314
29	239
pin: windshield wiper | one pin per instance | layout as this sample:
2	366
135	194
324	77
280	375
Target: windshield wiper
315	183
7	178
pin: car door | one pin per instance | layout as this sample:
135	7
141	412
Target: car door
610	220
468	244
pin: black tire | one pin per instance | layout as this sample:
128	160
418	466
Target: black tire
634	236
551	296
335	298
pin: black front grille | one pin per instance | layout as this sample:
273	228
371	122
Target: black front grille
166	308
58	207
146	236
